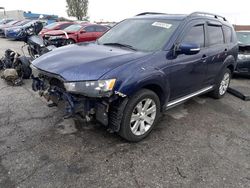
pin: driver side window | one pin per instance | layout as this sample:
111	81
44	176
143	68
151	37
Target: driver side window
90	29
195	35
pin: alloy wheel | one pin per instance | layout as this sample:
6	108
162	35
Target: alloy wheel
224	83
143	116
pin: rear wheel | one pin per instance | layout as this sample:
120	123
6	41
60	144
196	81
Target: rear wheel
222	84
140	115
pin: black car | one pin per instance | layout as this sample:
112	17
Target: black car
243	61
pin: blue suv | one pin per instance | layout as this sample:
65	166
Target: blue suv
137	69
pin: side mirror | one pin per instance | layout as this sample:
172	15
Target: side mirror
188	48
83	31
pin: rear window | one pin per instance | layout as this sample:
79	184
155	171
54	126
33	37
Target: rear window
227	34
215	35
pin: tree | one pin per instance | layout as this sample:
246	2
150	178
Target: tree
77	8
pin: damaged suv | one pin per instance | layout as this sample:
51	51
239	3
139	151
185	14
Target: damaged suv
140	67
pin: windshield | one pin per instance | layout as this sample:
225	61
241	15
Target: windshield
141	34
51	26
243	37
75	27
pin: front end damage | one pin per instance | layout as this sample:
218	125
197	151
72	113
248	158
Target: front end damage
243	61
77	105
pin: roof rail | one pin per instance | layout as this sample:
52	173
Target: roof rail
146	13
207	14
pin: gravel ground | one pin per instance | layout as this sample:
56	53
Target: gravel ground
202	143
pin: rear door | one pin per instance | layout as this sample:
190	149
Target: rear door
218	50
188	71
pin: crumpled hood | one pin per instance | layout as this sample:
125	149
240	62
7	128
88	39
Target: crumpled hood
56	32
85	61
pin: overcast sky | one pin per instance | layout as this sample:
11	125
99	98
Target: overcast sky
115	10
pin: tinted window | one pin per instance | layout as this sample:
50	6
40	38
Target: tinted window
90	29
215	35
99	28
227	34
196	35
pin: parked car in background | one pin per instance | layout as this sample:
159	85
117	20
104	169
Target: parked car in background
140	67
243	61
8	25
15	32
5	21
75	33
16	25
55	26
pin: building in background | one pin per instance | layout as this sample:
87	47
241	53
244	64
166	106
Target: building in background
20	14
242	27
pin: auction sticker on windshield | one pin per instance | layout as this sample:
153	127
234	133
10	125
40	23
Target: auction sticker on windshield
162	24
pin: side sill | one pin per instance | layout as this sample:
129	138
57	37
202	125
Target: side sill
183	99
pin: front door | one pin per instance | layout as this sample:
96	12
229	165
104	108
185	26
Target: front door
188	71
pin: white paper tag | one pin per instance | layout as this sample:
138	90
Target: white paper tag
162	24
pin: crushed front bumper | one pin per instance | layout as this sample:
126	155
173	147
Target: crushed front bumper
52	90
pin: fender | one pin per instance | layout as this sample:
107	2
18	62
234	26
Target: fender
229	61
147	77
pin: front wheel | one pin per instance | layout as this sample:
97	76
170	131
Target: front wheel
69	41
222	84
140	115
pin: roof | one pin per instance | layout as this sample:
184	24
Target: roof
155	15
163	16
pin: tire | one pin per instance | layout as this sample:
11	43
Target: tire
222	84
132	130
69	41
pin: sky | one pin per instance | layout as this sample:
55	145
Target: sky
237	12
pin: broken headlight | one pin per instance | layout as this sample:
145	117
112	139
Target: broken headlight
99	88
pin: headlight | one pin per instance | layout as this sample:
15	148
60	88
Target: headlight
243	56
100	88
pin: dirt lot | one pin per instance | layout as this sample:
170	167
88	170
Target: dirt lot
202	143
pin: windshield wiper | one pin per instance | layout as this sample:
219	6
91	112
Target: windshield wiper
121	45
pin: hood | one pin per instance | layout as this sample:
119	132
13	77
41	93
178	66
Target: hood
16	27
85	61
56	32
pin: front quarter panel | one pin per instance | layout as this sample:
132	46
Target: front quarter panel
141	74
